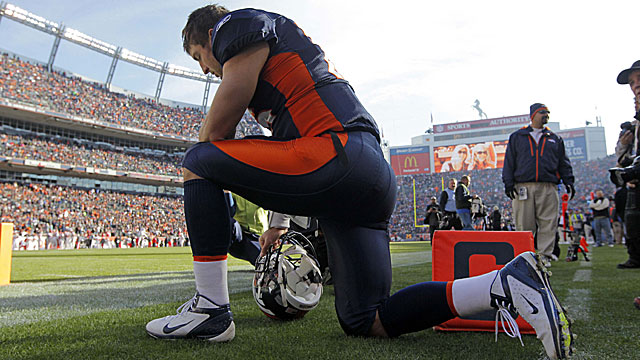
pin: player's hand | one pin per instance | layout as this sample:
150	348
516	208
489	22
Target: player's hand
511	192
571	191
269	238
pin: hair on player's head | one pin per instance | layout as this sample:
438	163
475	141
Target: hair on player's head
196	31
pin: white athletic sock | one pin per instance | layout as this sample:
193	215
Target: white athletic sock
211	281
473	295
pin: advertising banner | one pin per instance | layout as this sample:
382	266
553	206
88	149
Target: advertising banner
471	156
575	144
481	124
410	160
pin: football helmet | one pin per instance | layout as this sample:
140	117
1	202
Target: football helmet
288	282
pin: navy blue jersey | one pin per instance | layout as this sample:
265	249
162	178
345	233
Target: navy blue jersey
297	95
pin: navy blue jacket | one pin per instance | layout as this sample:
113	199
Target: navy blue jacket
526	161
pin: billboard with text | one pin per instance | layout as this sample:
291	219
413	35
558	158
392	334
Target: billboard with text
575	144
517	120
410	160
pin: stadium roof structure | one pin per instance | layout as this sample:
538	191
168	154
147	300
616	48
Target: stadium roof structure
60	31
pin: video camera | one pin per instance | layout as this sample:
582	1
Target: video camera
627	126
477	207
622	175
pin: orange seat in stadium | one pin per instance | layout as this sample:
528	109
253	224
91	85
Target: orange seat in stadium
461	254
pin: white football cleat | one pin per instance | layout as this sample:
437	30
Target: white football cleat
522	287
212	324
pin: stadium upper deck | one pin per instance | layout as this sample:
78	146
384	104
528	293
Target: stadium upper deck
117	128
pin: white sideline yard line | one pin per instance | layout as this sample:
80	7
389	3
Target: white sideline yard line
582	275
579	298
577	303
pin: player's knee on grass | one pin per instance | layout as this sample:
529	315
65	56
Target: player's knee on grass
355	323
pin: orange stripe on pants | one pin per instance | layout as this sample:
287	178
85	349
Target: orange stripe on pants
294	157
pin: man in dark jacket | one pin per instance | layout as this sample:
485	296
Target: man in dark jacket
535	162
496	219
463	202
432	218
626	150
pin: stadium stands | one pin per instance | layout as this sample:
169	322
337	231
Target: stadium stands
32	84
49	216
75	152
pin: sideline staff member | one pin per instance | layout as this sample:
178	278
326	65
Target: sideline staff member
534	163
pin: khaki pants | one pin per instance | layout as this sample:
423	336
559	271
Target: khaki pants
617	232
538	213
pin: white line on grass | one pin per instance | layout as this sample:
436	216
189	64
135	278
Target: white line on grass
577	303
582	275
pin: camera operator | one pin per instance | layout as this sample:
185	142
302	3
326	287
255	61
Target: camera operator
479	213
628	171
432	218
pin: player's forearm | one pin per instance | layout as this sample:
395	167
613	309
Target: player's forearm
225	112
239	79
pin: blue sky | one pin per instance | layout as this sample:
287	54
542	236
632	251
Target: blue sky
405	59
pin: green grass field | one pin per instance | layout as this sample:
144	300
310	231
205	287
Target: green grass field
94	304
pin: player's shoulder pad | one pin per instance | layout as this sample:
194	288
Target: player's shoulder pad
239	29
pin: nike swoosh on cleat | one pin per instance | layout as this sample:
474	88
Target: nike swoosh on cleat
535	309
168	330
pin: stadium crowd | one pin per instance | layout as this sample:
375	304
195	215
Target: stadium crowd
51	216
487	184
32	84
69	152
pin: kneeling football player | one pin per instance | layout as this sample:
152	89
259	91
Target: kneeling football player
322	160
